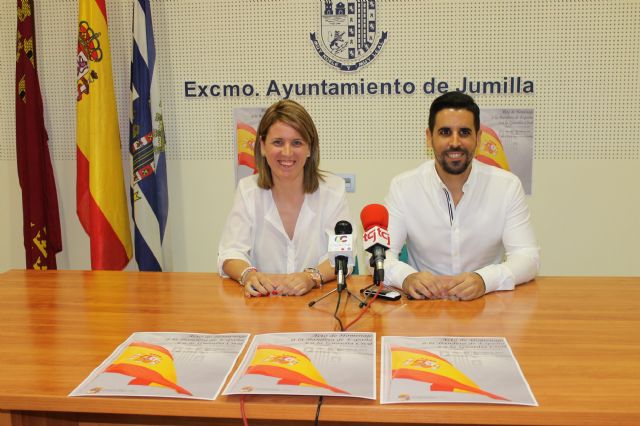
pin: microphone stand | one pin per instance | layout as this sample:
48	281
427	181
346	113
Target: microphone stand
341	267
378	272
378	278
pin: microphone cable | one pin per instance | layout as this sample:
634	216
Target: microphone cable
317	420
363	311
335	313
243	413
342	328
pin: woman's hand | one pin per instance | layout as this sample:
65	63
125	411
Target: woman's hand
295	284
258	284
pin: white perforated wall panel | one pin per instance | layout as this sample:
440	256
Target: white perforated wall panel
582	56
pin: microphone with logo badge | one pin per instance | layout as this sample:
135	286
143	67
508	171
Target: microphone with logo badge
340	250
375	219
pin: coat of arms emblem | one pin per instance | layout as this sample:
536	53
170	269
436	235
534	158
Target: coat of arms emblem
348	37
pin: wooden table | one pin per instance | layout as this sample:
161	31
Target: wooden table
576	339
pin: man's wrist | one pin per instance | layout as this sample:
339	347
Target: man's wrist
484	285
399	274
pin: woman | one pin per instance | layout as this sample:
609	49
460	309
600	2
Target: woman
275	238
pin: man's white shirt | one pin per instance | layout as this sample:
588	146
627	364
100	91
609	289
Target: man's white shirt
488	232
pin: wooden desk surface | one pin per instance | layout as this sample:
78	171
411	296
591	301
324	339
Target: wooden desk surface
576	339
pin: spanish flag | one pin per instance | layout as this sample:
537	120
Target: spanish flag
289	365
149	365
246	137
490	150
424	366
100	193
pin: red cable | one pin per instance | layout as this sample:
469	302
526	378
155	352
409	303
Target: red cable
245	421
362	311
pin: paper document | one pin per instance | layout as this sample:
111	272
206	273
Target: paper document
336	363
451	369
172	365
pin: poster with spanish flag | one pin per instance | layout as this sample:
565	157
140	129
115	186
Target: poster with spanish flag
320	364
100	191
245	126
166	365
451	369
507	141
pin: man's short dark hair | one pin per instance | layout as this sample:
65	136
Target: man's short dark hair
454	100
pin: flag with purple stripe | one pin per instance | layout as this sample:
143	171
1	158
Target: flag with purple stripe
149	194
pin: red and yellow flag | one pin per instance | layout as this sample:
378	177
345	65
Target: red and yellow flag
149	365
289	365
101	197
490	150
424	366
41	218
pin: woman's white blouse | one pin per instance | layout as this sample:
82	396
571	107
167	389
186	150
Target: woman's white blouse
254	231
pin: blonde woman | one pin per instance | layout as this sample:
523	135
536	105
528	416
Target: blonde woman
275	238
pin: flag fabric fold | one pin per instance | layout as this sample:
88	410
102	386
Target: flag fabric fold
101	200
442	375
490	150
289	365
148	365
246	137
149	194
41	218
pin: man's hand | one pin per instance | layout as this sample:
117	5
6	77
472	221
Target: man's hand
467	286
425	285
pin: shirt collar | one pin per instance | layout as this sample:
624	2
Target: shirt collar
473	176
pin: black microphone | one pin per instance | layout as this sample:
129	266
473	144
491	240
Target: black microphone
341	252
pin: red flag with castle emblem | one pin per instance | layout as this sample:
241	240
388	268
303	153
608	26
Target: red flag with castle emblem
41	220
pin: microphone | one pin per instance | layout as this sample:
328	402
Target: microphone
341	251
375	219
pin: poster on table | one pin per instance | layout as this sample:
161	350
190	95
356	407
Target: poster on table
324	364
451	369
171	365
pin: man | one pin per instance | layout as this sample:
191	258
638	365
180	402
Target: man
466	224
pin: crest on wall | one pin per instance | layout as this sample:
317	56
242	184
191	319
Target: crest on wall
348	38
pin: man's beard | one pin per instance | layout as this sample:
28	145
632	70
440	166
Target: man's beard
459	166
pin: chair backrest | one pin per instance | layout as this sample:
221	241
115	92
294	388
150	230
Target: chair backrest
404	256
